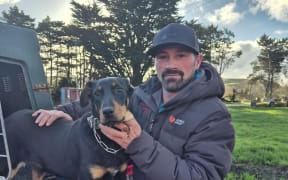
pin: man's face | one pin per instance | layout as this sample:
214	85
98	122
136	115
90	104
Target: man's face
175	66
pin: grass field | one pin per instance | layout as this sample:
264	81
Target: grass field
261	137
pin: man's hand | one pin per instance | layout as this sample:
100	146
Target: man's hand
47	117
128	131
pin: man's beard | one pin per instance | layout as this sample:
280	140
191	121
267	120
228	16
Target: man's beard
173	85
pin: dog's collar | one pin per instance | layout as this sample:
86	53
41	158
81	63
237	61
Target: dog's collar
94	124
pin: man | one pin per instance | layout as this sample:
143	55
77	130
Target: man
181	129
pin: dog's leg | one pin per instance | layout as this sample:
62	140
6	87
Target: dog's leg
97	172
15	171
123	167
37	173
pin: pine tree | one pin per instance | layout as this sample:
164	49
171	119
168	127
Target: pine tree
119	32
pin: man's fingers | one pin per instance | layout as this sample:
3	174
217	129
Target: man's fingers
36	113
49	121
47	117
115	135
122	127
42	119
131	123
123	138
39	117
110	131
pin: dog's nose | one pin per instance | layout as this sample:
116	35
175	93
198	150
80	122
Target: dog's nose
108	111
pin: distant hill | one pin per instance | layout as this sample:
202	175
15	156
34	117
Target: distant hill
234	81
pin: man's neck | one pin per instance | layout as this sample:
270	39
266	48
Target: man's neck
167	96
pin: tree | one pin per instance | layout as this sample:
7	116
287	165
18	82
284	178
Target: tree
285	62
49	34
216	45
269	62
16	17
118	35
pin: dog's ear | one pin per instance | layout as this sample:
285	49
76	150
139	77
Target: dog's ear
129	86
130	90
85	94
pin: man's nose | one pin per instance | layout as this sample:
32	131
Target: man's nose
171	63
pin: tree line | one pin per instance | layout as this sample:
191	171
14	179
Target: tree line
110	38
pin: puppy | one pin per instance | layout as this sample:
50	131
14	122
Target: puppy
73	150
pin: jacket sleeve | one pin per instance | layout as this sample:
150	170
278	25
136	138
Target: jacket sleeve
74	109
207	153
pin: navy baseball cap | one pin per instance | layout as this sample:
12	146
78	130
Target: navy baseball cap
175	34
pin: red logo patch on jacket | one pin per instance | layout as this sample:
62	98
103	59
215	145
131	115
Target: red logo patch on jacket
174	120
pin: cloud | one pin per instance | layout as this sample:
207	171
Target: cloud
276	9
242	67
9	1
280	32
190	9
225	15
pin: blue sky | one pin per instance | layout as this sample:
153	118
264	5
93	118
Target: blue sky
248	19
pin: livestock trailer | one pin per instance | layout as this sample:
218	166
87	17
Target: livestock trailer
23	83
22	80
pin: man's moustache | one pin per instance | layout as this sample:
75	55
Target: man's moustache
170	71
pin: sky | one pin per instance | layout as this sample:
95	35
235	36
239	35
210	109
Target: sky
247	19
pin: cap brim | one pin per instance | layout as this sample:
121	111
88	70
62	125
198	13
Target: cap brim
153	50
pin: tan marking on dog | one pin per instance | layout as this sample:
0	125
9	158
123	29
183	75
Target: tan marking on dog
113	84
128	116
101	115
102	118
15	171
37	175
122	112
123	167
99	88
97	172
119	110
112	170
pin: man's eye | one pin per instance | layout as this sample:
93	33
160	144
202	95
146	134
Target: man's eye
161	57
181	55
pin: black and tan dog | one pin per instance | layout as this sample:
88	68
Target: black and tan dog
73	150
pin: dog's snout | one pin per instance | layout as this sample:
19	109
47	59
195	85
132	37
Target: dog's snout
108	111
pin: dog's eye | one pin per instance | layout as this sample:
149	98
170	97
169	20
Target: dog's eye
98	93
119	90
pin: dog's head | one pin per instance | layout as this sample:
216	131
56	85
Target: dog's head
109	98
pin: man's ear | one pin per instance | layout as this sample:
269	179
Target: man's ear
198	61
86	93
153	60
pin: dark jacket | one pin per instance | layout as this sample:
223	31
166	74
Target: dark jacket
189	137
74	109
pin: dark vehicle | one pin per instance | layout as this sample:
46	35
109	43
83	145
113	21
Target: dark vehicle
23	83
